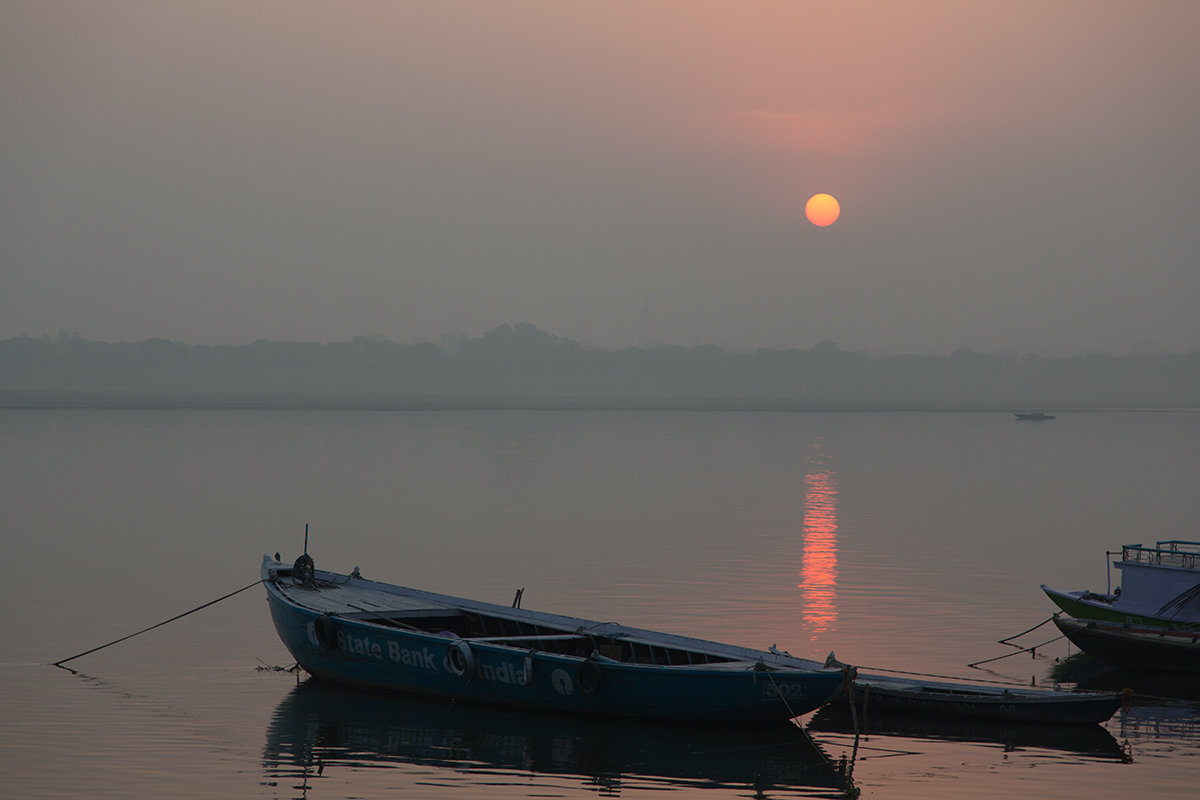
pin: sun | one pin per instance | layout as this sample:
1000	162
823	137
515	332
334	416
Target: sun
822	209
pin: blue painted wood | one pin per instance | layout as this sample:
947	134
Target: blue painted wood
331	640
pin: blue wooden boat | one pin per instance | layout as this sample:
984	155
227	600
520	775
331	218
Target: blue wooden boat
350	630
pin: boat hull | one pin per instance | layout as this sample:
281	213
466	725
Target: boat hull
1080	606
1105	608
362	653
1133	647
996	705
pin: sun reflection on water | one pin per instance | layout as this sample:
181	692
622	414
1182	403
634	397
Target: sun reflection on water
818	573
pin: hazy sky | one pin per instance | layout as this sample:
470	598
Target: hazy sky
1017	175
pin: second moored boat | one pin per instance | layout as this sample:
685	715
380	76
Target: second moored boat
1160	587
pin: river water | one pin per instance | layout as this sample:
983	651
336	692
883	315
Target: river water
905	541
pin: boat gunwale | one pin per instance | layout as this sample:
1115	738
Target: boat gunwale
1015	694
1092	606
1136	632
732	657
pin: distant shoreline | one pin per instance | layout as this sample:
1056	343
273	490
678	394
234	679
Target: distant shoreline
366	401
524	367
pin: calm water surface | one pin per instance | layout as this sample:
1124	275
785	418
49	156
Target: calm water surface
905	541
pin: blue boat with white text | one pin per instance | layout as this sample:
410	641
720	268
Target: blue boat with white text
350	630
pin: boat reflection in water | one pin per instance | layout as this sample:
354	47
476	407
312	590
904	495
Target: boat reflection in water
1089	741
321	726
1164	712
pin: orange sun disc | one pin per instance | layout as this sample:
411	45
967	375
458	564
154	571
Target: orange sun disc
822	209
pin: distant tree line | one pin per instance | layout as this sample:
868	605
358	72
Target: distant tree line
522	365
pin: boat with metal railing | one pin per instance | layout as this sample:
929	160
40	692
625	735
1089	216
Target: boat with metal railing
1160	587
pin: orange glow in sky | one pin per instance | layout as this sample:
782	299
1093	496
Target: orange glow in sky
416	172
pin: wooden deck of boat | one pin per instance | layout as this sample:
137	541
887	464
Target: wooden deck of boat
356	597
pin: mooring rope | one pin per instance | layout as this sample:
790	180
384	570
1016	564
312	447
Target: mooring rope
1019	652
792	716
158	625
1179	601
1008	640
760	667
868	669
461	692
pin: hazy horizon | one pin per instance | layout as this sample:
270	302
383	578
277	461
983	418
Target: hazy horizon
1012	176
448	341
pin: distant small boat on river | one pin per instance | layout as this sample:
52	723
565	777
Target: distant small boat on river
1032	416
